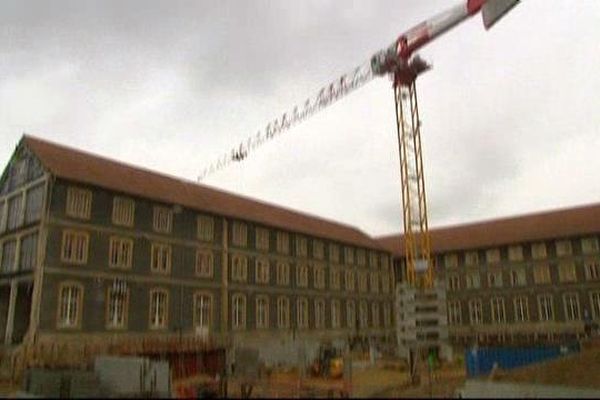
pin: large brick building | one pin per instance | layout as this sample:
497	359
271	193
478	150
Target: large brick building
520	279
93	249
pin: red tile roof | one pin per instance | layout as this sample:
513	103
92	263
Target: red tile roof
525	228
76	165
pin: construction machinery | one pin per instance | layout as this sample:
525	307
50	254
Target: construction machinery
425	320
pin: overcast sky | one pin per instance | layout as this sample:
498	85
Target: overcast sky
511	117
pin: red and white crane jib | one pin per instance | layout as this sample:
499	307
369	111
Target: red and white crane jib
386	61
398	53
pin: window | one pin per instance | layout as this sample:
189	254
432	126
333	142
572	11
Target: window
473	280
498	310
375	314
318	249
283	312
545	307
521	309
3	212
302	313
454	313
492	256
120	252
471	258
495	279
302	274
261	270
33	204
238	312
349	280
385	282
334	278
362	282
9	253
453	282
387	315
451	260
163	219
262	239
336	314
592	270
595	302
373	259
123	212
538	251
374	282
350	314
334	253
203	304
319	276
283	273
161	258
589	245
517	277
566	272
79	203
385	260
348	255
159	308
240	234
475	312
363	314
239	268
74	247
28	258
204	263
15	212
117	306
515	253
571	301
206	228
70	300
283	243
301	246
563	248
319	314
361	258
541	274
262	312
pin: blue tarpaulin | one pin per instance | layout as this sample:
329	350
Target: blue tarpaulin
480	361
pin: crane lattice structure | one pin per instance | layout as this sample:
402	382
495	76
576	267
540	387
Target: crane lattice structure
399	62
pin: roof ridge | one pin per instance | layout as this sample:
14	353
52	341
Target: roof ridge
31	138
507	218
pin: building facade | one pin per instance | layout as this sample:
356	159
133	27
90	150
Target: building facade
525	279
91	249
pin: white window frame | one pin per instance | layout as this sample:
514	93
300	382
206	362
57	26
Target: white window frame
567	272
239	236
261	270
69	314
538	251
475	311
283	312
161	258
238	311
162	221
123	212
521	309
563	248
454	312
283	273
498	310
542	305
302	274
302	313
592	269
262	312
492	256
283	243
78	203
120	252
204	263
203	310
334	253
541	274
301	246
515	253
205	228
117	308
589	245
156	320
261	240
473	283
74	247
572	308
239	268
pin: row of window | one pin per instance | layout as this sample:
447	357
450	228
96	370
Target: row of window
567	273
19	254
70	311
589	245
262	242
75	246
545	304
22	208
373	280
79	205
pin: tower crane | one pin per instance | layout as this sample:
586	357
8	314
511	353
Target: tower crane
400	62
